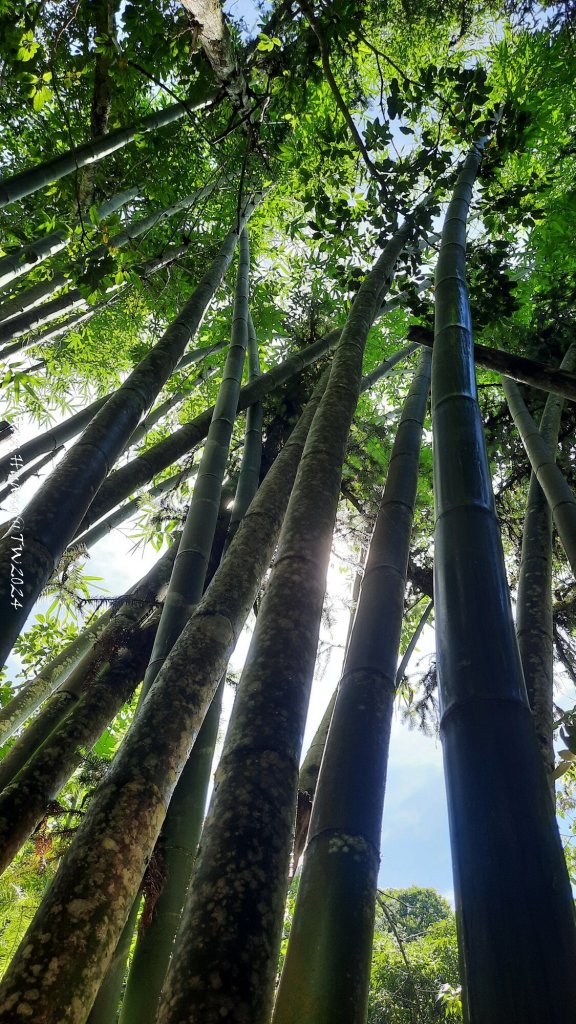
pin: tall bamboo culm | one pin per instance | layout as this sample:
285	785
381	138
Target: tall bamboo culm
326	973
130	805
513	898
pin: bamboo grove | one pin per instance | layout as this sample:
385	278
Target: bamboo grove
276	285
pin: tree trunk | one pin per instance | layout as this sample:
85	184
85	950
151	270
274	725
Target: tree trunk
49	522
326	973
513	898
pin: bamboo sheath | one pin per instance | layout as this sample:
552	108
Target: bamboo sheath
559	494
498	797
139	785
51	519
19	185
326	973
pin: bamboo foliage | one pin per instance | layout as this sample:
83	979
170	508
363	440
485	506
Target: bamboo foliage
30	256
326	971
24	184
486	726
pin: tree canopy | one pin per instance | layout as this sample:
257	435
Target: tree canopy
139	141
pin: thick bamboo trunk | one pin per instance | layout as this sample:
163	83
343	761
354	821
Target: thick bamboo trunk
130	805
49	522
516	932
534	620
181	829
248	830
559	494
105	1008
326	973
30	256
24	184
24	801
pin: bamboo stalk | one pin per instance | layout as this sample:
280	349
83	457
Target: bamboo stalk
26	182
132	801
326	971
30	256
534	619
513	898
